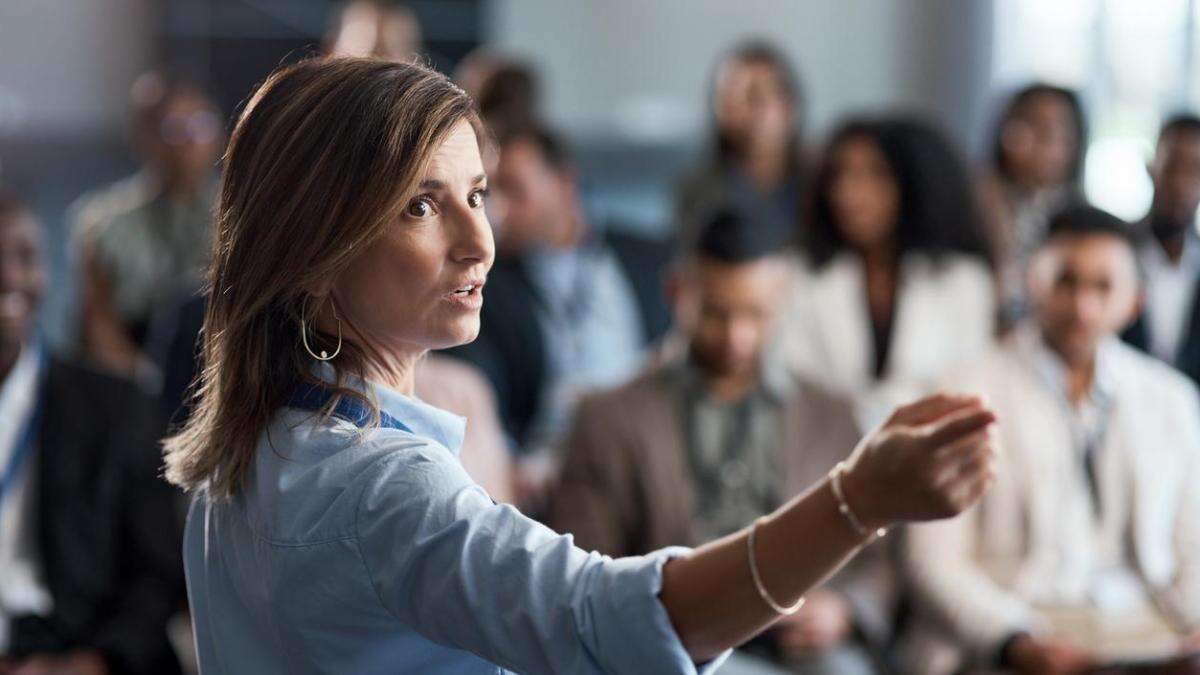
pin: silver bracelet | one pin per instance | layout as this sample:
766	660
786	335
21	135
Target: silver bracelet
758	584
835	480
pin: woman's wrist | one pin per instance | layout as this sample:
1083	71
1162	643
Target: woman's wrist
862	499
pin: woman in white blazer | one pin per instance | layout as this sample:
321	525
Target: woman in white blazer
893	284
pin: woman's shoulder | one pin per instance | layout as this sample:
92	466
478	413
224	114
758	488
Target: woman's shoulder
310	475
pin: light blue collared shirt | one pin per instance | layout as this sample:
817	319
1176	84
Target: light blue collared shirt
374	552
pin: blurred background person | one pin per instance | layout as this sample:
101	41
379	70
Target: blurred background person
388	30
562	316
1036	170
509	95
1088	547
755	157
716	432
1169	326
90	565
144	241
893	285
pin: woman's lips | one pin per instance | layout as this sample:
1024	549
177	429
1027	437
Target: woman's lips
469	296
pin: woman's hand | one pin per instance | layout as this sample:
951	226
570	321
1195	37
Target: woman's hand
931	459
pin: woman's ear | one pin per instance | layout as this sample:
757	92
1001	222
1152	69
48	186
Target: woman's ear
319	288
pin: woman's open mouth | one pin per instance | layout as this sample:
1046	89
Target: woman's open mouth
469	296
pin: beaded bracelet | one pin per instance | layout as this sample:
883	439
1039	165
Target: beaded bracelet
835	480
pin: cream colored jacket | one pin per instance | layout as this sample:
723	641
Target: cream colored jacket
976	572
944	317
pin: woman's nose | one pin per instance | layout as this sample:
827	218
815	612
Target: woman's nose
473	242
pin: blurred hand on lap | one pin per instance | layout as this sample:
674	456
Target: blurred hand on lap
81	662
822	623
1041	656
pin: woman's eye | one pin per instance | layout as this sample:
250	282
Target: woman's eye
420	208
476	198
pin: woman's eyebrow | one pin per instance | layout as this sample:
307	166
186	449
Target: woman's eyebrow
435	184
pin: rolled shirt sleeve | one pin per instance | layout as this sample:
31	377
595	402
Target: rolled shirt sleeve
467	573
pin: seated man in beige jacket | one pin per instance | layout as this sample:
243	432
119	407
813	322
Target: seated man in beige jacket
714	435
1087	548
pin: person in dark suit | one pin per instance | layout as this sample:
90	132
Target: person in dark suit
89	547
1169	325
563	314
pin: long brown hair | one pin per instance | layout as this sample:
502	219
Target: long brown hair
325	156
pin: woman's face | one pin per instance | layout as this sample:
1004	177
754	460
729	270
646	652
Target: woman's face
1040	141
752	106
420	285
864	197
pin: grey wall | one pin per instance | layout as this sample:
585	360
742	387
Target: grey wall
66	65
639	68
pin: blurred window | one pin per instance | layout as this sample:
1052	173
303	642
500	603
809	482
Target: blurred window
1133	61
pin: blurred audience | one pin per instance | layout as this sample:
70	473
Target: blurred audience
1037	169
1087	548
561	315
508	95
90	566
893	285
1169	248
386	30
714	434
800	309
755	159
145	240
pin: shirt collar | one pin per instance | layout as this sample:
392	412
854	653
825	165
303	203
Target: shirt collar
775	382
1053	372
423	419
18	393
1154	257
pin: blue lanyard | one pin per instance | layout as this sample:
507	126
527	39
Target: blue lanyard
25	441
314	398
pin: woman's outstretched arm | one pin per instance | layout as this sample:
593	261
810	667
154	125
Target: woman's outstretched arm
930	460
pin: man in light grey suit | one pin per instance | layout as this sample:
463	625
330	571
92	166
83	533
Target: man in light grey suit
714	434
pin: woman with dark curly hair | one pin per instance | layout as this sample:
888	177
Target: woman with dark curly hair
893	285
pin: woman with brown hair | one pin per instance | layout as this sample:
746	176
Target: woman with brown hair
332	528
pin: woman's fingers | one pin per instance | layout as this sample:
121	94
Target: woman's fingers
957	424
951	461
931	408
970	474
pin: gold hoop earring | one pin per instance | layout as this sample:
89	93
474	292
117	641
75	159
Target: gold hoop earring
324	355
